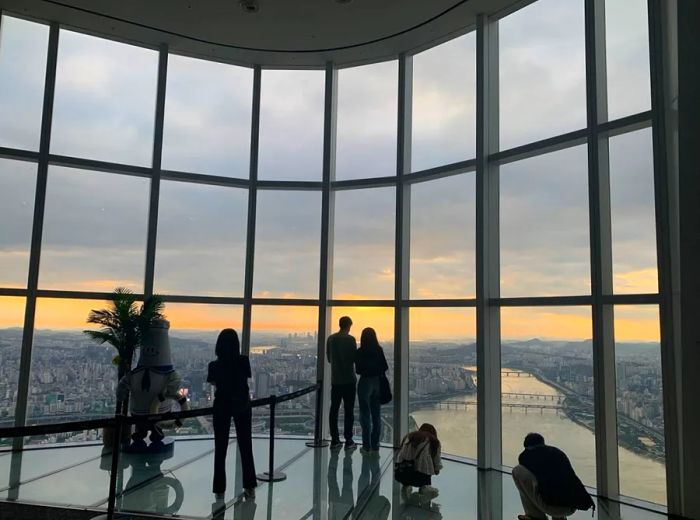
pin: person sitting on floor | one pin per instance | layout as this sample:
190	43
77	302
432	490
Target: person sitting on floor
547	482
418	460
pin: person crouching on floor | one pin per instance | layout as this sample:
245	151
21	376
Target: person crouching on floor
418	460
547	482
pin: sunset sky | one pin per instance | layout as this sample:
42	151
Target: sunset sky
96	223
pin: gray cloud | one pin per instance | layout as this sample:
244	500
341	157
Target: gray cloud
291	125
367	107
444	104
94	230
443	226
363	256
207	117
22	70
287	243
104	110
17	183
104	105
201	239
542	72
544	225
627	57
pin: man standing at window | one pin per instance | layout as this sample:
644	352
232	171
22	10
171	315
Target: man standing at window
340	351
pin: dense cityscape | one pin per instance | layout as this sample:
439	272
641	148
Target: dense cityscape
72	378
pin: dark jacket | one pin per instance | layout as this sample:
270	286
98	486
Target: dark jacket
230	379
556	479
340	351
370	362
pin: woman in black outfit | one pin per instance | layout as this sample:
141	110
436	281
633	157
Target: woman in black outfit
230	373
370	365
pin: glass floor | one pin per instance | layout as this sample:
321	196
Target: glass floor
320	484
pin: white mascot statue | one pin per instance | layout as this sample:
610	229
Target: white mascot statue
154	385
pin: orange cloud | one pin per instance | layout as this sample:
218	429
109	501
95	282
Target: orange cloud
381	319
284	318
441	323
546	322
637	323
60	313
641	281
11	311
204	316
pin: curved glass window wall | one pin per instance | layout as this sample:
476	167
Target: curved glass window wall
457	222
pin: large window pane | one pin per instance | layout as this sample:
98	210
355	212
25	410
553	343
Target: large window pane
283	351
23	49
363	257
94	231
105	100
542	71
632	208
287	244
207	117
291	125
11	323
381	319
72	377
367	104
444	104
627	57
544	225
547	383
17	185
442	375
193	332
201	239
443	225
640	412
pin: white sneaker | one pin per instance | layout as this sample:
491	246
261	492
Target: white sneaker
428	492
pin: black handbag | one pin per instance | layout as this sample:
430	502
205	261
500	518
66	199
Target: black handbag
405	471
384	390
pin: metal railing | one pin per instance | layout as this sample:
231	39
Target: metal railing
118	422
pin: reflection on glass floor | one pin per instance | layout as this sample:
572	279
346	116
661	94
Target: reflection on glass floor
320	484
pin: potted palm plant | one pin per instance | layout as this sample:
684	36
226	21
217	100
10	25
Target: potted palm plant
123	325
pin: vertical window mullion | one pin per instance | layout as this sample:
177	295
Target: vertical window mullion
601	254
325	286
488	343
402	247
37	230
155	174
252	211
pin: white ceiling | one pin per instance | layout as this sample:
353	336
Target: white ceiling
304	33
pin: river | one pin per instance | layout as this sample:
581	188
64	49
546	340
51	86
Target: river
640	477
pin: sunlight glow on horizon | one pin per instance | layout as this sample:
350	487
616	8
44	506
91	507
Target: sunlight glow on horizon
632	323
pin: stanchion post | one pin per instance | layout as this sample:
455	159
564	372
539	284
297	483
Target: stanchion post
318	441
116	444
270	475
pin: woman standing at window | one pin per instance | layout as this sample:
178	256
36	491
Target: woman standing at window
370	365
229	373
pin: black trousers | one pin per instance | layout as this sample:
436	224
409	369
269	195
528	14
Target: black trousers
242	415
346	394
